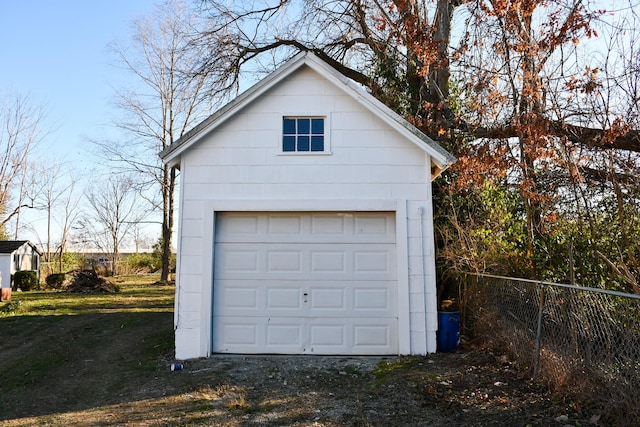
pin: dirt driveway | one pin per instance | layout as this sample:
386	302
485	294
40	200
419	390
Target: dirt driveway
472	388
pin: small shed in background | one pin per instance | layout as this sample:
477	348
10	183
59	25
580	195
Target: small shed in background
17	255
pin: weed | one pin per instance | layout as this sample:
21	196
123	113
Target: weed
239	404
10	307
350	370
386	369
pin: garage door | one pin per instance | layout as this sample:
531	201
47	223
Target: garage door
305	283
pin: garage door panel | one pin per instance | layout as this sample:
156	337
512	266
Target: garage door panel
301	261
240	226
373	336
328	338
238	297
378	262
284	261
253	335
359	299
295	227
328	261
368	226
288	335
328	225
308	298
280	298
374	300
239	259
327	299
233	332
246	297
365	336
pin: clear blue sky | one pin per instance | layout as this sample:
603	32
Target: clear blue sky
56	52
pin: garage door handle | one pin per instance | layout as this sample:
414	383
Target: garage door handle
305	296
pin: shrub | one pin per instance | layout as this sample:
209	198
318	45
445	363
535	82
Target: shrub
157	255
26	280
139	263
55	280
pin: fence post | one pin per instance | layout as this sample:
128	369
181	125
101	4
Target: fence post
536	359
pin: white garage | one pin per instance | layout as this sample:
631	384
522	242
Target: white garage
305	223
298	283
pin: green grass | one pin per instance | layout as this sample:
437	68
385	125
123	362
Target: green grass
64	351
385	369
137	294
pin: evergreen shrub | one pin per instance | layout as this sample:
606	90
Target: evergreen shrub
55	280
25	280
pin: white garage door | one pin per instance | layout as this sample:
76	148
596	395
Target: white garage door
305	283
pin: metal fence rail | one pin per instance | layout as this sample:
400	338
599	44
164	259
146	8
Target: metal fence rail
572	336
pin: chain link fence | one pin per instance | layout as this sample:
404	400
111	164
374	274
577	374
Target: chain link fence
584	341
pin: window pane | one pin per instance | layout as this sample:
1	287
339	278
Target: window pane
317	126
303	143
317	143
304	126
289	126
288	143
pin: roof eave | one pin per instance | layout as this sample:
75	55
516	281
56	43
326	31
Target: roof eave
170	155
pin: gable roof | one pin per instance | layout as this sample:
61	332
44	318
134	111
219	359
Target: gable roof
440	158
8	246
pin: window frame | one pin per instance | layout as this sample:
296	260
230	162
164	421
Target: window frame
326	144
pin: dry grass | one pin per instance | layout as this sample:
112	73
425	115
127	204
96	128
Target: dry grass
587	390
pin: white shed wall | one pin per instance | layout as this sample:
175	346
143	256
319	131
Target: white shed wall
26	261
240	165
6	263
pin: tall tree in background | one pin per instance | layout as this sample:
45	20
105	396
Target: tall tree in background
166	102
515	91
49	180
21	129
114	210
70	202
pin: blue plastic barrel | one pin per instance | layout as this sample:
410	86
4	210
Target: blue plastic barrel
448	331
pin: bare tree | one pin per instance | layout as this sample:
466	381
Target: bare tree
167	100
70	202
115	211
21	130
48	179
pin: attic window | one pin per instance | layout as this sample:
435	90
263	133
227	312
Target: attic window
303	134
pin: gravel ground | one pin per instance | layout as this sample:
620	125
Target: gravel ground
472	388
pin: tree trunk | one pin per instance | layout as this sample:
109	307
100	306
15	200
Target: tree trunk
167	222
116	254
439	71
48	257
530	112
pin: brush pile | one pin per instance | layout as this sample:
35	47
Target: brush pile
88	281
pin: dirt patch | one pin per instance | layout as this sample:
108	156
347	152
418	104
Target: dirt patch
464	388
